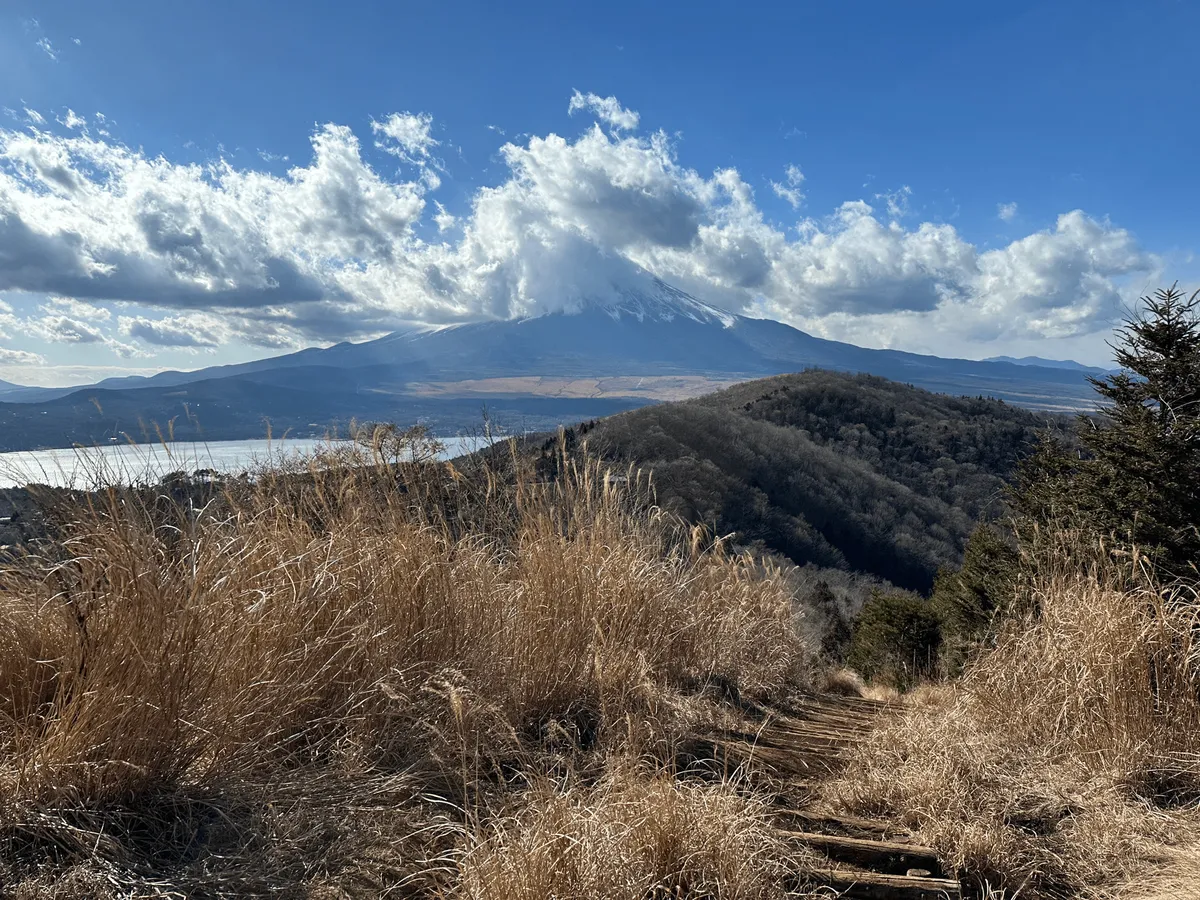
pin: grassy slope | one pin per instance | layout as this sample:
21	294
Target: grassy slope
1067	761
328	686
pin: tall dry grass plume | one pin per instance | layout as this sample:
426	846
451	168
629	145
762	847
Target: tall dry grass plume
629	836
332	678
1067	760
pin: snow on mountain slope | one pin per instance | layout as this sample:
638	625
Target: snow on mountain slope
643	327
663	303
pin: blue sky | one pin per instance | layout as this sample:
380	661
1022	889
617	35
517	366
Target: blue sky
958	178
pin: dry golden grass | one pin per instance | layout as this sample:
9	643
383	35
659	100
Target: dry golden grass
1176	876
299	676
1067	759
845	682
628	837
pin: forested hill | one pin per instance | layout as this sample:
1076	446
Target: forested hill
844	471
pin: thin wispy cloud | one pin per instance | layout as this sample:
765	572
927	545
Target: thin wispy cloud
789	188
896	202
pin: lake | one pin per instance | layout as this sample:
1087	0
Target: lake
141	463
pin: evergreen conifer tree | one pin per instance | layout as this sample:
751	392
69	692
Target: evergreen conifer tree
970	598
1136	472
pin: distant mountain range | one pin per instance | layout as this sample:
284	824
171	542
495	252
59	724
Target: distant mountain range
1048	363
642	343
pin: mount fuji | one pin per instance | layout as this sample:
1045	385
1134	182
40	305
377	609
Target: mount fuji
638	343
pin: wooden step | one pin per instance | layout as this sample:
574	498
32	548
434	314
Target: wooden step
888	857
807	741
841	701
856	885
800	740
725	756
823	725
840	708
793	760
850	826
802	713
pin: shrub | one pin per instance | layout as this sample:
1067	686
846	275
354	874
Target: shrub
969	600
835	633
896	639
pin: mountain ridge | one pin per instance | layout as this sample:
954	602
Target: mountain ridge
652	331
1045	363
829	469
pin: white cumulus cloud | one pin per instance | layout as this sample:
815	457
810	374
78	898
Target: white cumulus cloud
1006	212
7	321
406	135
20	358
56	328
75	308
97	221
607	109
444	220
189	331
71	120
330	250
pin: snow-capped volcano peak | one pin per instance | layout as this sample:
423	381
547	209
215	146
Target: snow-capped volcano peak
652	300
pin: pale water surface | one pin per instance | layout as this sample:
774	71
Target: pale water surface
142	463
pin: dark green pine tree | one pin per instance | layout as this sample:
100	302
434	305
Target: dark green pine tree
970	599
897	636
1138	475
1147	444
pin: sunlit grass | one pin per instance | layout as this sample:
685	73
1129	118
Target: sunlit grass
1068	757
338	671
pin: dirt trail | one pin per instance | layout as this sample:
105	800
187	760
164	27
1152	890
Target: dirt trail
792	750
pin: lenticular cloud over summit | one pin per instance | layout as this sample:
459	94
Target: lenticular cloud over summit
345	246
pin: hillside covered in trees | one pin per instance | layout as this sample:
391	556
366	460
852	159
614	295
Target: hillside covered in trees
841	471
